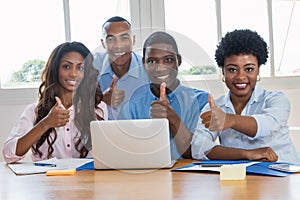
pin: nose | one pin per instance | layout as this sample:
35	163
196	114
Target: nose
159	66
241	74
118	44
73	72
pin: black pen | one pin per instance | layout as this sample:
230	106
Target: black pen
45	164
210	165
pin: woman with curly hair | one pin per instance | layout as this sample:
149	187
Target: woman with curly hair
250	122
58	125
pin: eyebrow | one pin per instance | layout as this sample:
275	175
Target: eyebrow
123	34
246	65
69	62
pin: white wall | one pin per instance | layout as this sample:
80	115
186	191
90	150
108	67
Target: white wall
13	102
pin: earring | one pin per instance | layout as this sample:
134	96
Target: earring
258	77
223	78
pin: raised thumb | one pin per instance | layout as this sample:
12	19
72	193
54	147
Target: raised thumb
211	101
58	102
162	94
114	82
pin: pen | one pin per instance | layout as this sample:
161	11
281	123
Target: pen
211	165
45	164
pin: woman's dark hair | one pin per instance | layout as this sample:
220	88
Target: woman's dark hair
242	41
86	98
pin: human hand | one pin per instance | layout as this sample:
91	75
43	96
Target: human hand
57	117
215	119
264	154
113	96
159	107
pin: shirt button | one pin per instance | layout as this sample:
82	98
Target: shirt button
68	129
68	145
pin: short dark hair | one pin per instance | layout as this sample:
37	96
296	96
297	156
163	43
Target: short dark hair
116	19
243	41
160	37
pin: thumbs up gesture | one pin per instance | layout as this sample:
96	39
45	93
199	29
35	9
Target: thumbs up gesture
215	119
57	116
112	96
160	107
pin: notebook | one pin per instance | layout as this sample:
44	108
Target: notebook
131	144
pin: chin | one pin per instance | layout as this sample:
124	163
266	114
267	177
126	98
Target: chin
158	82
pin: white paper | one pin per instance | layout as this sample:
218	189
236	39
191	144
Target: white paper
23	168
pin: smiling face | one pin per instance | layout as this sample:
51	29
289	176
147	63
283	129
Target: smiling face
118	42
70	71
240	72
161	63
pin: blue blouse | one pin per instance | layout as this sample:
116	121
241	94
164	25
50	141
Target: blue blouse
270	109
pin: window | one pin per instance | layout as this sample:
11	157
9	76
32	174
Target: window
276	18
249	14
286	16
194	26
88	16
31	29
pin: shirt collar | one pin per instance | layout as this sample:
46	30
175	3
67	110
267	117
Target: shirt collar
254	97
172	94
134	64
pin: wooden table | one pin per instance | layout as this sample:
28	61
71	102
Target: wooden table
145	184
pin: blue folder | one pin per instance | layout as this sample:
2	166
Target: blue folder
87	166
260	168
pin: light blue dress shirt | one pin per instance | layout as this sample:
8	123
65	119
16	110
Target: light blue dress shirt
129	82
186	102
270	109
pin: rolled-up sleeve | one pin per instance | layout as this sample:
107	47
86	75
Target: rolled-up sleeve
25	123
275	114
203	140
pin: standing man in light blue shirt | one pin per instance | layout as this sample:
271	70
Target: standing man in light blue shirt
165	96
121	70
251	123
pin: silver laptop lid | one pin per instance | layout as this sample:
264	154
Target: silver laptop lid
131	144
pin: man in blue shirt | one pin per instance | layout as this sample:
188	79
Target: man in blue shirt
121	70
165	96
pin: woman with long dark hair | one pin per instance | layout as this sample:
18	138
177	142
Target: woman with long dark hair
58	125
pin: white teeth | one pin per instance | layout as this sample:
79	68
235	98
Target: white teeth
72	82
241	84
163	77
120	53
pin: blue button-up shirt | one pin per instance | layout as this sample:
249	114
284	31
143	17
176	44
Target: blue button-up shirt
186	102
129	82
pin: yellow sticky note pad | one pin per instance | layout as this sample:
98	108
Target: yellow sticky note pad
233	172
64	172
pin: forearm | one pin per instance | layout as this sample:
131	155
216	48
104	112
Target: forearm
265	154
226	153
25	142
180	134
244	124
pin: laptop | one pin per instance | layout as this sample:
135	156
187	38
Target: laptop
131	144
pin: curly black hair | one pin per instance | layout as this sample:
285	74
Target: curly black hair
242	41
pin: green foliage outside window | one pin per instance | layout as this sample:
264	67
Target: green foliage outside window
30	72
199	70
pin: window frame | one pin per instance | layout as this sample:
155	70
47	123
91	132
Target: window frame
150	13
